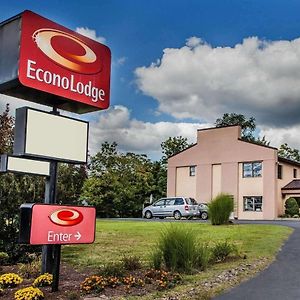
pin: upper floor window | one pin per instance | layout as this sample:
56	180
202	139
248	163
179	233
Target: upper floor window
252	169
192	170
279	172
295	173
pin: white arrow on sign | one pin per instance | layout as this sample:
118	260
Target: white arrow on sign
78	235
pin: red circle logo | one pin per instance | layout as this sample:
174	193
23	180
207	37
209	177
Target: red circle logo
66	217
67	50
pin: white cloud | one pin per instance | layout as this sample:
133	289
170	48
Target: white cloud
91	33
116	125
256	78
279	136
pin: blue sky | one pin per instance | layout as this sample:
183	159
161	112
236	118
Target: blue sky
222	56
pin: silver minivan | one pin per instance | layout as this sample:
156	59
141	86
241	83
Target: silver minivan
176	207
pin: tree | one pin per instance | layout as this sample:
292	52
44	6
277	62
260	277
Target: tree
286	151
70	183
14	190
248	126
119	183
172	146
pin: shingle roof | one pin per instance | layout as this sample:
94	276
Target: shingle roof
293	185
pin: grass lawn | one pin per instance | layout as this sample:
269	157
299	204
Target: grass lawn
115	239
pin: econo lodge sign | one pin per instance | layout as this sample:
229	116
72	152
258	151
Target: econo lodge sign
43	224
53	60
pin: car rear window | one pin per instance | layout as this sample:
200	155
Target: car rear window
191	201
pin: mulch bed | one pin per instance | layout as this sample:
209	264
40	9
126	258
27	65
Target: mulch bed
69	285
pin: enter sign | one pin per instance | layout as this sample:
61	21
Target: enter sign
58	224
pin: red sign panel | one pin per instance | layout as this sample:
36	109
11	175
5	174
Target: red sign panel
57	224
59	61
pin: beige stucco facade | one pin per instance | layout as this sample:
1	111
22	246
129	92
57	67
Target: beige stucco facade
219	157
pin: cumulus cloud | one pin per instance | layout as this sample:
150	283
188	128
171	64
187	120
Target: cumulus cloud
279	136
116	125
256	78
91	33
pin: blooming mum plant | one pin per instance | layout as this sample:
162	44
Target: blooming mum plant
29	293
10	280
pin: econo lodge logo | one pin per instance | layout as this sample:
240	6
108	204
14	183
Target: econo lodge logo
61	62
66	217
67	50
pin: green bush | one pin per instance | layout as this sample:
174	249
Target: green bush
220	209
177	247
221	250
291	207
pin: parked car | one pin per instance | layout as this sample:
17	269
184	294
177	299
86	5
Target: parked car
176	207
203	209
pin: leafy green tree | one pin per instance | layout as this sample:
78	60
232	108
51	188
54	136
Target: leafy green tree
248	126
14	190
119	183
172	146
286	151
70	183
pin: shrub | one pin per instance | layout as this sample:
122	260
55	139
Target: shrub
221	250
291	207
177	246
43	280
112	269
10	280
220	209
29	293
131	263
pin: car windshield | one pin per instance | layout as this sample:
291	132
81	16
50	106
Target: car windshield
191	201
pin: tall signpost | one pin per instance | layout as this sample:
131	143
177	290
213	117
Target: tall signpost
46	63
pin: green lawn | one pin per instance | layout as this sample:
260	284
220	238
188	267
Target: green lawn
115	239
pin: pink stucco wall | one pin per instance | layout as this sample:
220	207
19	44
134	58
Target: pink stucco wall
223	146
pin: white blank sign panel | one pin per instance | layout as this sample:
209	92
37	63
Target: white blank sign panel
52	136
28	166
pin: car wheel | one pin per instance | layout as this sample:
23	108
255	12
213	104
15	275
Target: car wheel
148	214
204	215
177	215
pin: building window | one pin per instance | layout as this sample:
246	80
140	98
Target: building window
252	169
192	170
253	203
279	175
295	173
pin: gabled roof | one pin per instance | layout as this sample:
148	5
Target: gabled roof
293	185
289	161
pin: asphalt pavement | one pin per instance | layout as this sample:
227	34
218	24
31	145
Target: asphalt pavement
281	280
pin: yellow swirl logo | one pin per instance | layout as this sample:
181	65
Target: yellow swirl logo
67	50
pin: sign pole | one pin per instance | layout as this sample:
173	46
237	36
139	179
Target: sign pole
51	253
